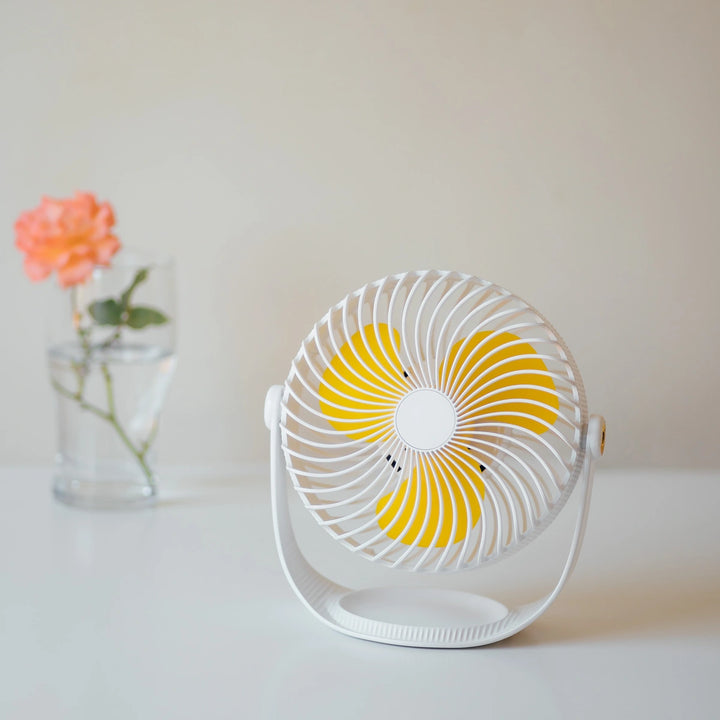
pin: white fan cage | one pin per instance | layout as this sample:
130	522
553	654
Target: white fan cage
526	476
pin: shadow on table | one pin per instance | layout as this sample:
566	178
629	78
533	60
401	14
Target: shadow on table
678	606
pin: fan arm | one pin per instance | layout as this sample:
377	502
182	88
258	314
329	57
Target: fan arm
316	591
325	599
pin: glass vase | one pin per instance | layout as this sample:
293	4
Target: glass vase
111	357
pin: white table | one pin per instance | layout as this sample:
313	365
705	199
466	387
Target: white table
182	611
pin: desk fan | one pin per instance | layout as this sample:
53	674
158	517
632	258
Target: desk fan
431	422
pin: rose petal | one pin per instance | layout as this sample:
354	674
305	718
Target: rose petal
105	249
70	236
75	271
36	271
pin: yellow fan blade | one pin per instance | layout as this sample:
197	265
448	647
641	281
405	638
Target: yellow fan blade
511	400
368	372
422	490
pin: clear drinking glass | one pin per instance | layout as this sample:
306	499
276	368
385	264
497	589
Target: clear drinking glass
111	356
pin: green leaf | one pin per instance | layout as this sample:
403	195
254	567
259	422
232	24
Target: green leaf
140	277
139	317
106	312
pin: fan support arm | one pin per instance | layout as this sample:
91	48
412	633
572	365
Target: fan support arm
471	619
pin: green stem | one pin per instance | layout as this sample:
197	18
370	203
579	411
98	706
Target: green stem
150	438
140	277
79	400
111	340
112	419
82	369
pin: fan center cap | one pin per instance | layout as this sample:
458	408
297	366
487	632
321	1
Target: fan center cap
425	419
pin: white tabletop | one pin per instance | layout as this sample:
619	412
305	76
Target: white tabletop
182	611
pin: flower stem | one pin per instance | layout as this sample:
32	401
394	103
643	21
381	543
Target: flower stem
77	396
112	419
82	369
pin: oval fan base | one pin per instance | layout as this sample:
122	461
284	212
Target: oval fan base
423	607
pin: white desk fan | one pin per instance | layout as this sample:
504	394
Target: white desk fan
431	421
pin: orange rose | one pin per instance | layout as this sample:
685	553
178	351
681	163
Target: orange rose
71	236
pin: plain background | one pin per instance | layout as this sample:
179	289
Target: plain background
288	152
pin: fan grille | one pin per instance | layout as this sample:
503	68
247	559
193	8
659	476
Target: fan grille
433	421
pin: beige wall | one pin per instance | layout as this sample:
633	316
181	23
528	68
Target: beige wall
288	152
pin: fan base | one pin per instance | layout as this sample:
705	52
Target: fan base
423	607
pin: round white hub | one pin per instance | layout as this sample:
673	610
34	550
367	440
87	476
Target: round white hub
425	419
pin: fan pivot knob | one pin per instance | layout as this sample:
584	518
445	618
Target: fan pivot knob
596	435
